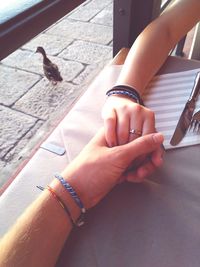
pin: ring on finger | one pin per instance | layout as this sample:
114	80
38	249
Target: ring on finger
136	132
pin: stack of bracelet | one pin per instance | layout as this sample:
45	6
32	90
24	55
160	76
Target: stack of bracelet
125	90
73	194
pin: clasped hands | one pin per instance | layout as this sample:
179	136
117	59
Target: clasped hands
102	164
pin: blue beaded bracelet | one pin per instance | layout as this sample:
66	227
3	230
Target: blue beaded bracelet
72	192
122	92
127	91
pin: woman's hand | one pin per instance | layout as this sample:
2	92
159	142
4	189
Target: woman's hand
120	115
98	168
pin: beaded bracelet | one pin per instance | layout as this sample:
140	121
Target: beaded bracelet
127	91
77	200
122	92
59	200
127	88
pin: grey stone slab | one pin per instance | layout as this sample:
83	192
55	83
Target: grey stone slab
2	165
83	13
87	75
44	99
83	31
14	83
87	52
86	10
68	69
22	149
104	17
24	60
25	147
14	125
53	44
99	4
3	176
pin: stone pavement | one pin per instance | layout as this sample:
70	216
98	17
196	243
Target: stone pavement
80	44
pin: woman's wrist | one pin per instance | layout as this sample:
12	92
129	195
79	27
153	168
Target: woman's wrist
127	91
123	97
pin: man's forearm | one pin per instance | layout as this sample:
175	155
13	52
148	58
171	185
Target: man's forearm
43	228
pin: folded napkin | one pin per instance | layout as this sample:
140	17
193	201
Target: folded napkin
166	96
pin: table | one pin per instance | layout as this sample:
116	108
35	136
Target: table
155	223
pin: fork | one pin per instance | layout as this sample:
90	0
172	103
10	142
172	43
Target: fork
195	122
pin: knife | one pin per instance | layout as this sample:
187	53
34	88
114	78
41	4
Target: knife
186	116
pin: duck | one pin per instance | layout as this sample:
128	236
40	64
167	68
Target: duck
51	70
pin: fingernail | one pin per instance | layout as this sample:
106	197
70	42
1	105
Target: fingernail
158	138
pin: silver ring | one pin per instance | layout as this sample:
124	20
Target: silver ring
137	132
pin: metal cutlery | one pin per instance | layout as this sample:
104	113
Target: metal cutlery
186	116
195	122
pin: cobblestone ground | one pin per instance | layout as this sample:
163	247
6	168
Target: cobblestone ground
80	44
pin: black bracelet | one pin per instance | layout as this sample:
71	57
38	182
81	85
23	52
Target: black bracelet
128	88
122	92
127	91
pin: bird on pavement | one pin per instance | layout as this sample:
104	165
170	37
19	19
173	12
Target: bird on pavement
51	70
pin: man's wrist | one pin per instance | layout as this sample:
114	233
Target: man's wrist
67	199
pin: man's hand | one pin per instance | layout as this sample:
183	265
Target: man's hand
98	168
